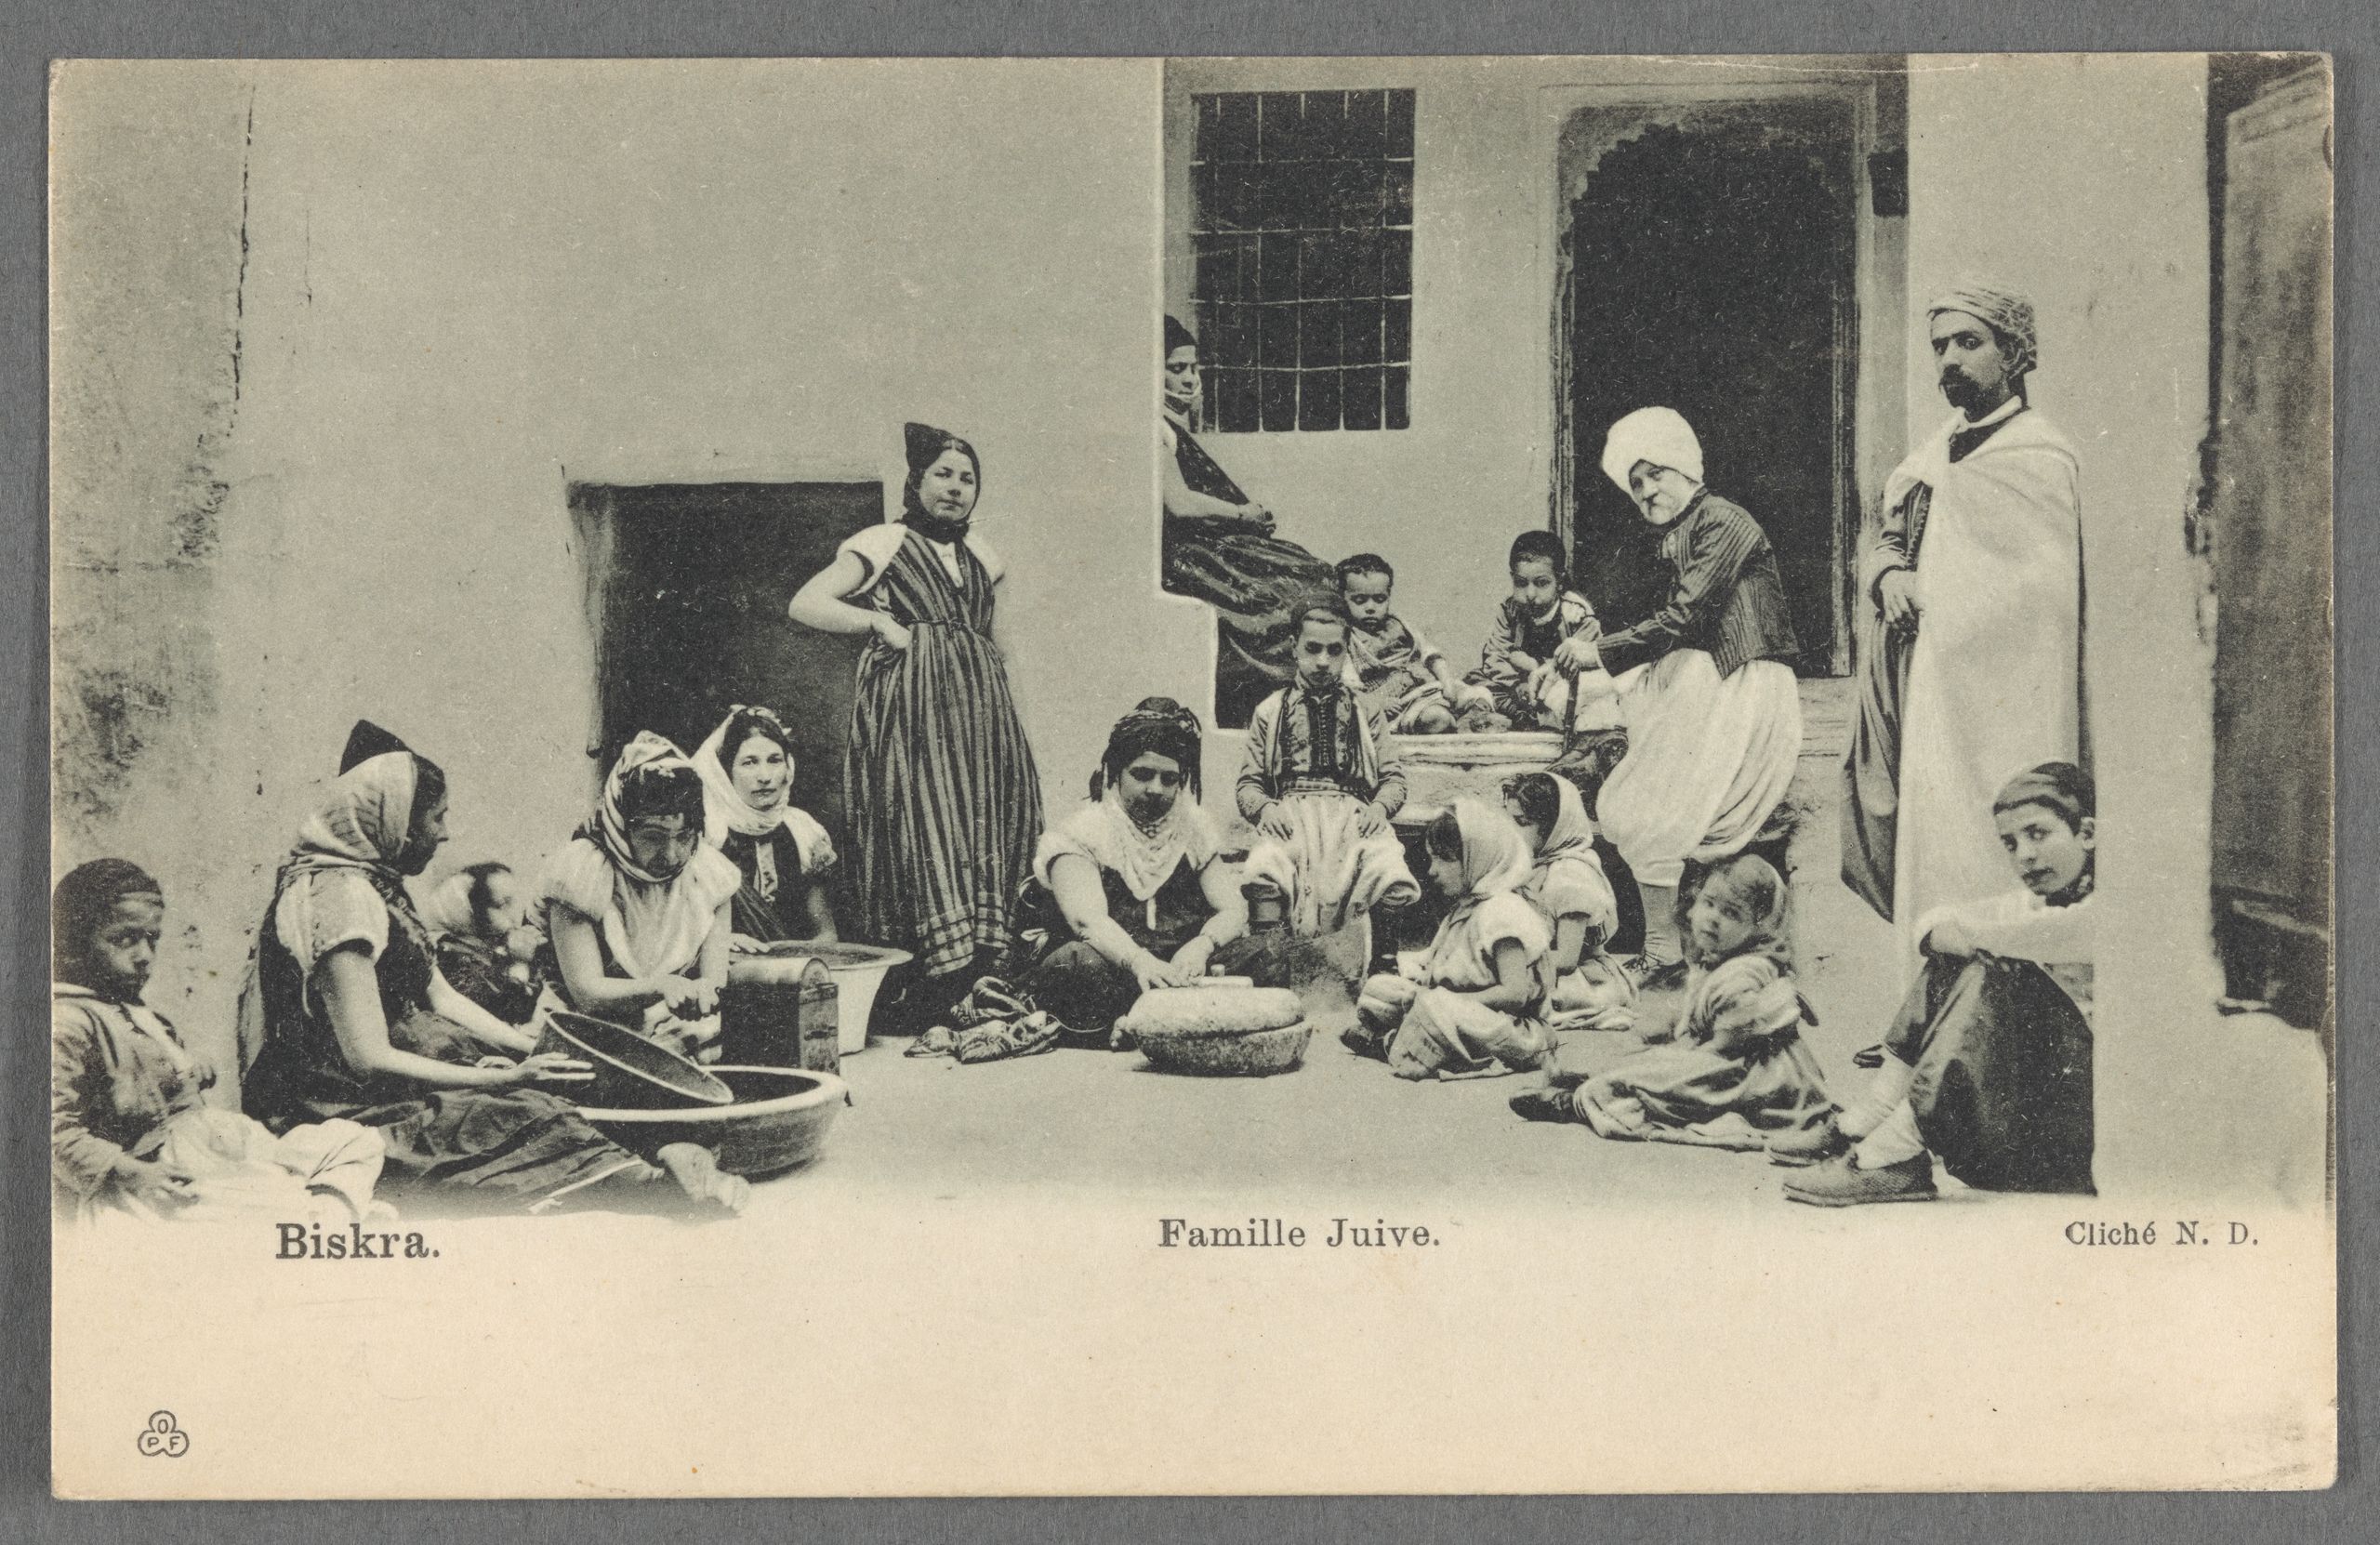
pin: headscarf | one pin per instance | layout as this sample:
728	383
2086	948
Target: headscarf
1659	435
607	827
2008	314
1105	832
362	818
85	899
2061	785
1753	881
725	810
1157	724
1178	337
1572	835
1495	863
924	445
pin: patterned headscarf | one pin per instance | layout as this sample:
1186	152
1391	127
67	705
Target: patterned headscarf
1659	435
1157	724
2008	314
83	900
646	758
362	819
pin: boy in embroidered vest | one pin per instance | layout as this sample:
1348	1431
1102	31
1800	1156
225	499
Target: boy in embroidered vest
1320	786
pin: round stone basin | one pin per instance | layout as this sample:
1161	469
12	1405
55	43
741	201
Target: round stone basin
777	1121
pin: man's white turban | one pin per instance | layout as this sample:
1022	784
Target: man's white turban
1659	435
2008	314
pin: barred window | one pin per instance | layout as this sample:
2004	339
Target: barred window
1302	228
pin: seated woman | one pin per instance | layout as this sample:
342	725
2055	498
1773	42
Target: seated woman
354	1022
639	909
1733	1071
1220	547
485	947
1475	1006
1988	1064
1568	885
748	814
130	1129
1142	895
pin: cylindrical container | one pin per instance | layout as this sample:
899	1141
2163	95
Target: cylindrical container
780	1011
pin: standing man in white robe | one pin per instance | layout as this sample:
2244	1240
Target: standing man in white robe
1972	649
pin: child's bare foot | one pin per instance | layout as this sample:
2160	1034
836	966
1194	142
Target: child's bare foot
705	1183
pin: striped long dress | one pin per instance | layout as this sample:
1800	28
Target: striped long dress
944	799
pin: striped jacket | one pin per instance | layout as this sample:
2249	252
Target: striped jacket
1728	598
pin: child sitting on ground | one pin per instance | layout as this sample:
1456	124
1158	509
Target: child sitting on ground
1988	1064
1568	886
1320	786
1475	1004
1405	678
1516	665
1734	1072
131	1129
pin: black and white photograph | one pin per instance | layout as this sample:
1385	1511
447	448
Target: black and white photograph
1182	777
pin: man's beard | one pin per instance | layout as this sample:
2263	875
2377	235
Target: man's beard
1148	813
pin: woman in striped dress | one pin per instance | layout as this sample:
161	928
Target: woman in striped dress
943	799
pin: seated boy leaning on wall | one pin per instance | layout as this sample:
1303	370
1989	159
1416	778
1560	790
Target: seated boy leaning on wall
1320	786
1516	665
1405	678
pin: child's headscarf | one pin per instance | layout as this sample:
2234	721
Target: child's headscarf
84	901
1764	896
647	756
725	810
1572	836
1495	861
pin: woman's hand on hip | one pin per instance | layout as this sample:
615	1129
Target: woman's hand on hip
890	629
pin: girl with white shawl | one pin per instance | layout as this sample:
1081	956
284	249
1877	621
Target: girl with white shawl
1475	1006
1567	883
780	850
638	907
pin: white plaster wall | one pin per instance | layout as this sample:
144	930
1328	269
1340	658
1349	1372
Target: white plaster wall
458	297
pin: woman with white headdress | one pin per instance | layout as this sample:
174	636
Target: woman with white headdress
784	854
1715	720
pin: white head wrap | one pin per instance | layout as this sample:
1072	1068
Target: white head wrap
1659	435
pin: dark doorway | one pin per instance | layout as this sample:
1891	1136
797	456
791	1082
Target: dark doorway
1712	269
688	584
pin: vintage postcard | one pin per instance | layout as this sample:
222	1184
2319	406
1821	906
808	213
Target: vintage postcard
1289	775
